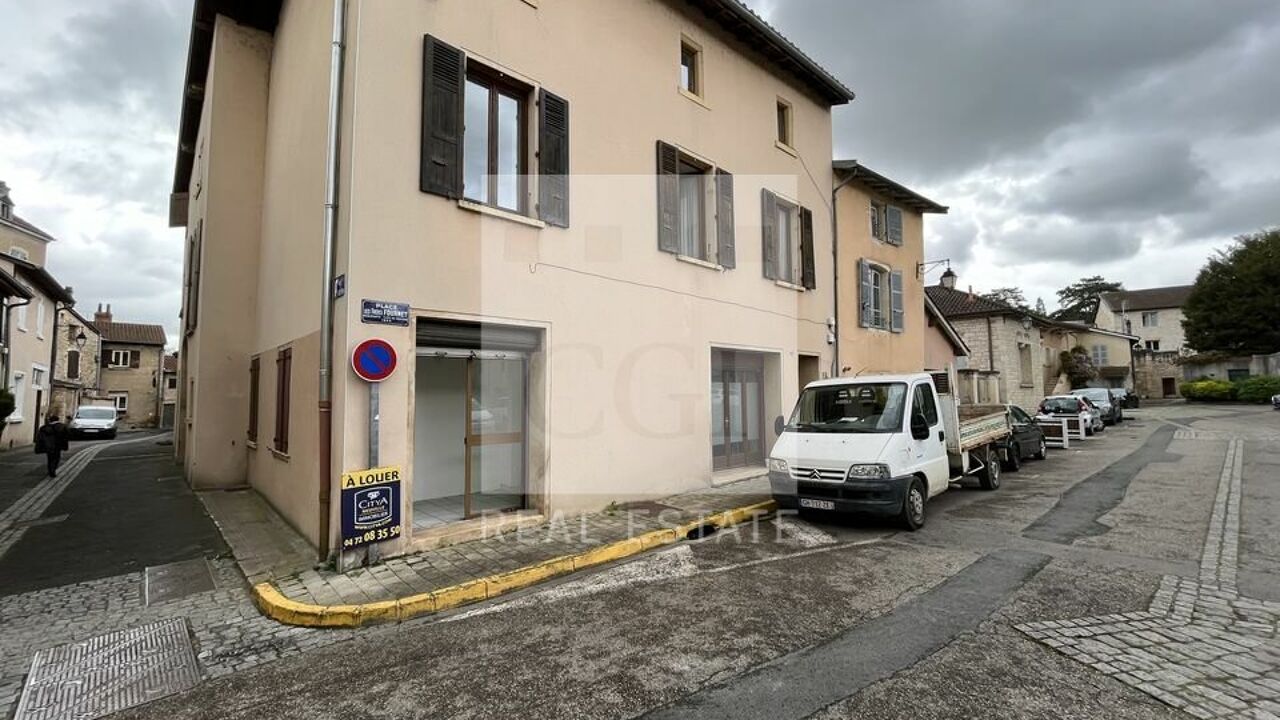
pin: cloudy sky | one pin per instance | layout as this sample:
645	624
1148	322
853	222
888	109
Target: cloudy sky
1071	138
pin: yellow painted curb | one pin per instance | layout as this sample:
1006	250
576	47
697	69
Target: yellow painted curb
276	606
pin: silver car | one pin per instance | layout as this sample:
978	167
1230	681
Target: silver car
93	421
1105	402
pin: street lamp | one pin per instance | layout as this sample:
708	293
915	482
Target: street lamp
81	339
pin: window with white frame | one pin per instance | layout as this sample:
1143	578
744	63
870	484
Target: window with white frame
22	317
788	227
1151	319
694	181
120	359
879	309
37	377
1099	355
1153	345
19	390
120	400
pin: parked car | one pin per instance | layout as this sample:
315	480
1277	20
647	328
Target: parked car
1027	440
1111	411
1128	398
1059	405
93	421
1275	401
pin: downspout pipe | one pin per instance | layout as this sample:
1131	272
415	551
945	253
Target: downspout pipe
53	349
835	264
331	169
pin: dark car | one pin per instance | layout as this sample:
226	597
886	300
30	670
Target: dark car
1027	440
1128	398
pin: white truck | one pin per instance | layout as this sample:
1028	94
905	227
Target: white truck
885	445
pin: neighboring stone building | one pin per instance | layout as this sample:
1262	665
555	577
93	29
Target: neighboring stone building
169	392
76	372
130	365
881	308
1154	315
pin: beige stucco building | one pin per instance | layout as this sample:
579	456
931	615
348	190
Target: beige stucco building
604	269
1154	316
881	304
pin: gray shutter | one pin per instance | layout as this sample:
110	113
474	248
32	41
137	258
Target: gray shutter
808	277
893	219
668	198
553	159
864	294
135	358
895	301
443	85
727	253
769	233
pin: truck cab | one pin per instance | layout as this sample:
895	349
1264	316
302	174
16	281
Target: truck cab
882	444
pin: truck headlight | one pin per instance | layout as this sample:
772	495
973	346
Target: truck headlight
779	465
868	471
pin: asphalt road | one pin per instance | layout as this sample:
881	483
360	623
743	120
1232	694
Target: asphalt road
127	510
817	617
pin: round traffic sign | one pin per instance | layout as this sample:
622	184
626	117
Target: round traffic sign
374	360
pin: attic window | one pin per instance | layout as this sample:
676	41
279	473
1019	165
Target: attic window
784	122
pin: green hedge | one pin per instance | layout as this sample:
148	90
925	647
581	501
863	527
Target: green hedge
1257	389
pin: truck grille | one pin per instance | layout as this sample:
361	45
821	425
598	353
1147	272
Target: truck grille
817	474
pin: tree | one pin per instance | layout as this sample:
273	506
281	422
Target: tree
1009	296
1078	367
1040	308
1234	306
1080	298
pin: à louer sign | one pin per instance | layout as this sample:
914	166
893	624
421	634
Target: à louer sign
370	506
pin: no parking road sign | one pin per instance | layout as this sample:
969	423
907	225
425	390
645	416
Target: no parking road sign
374	360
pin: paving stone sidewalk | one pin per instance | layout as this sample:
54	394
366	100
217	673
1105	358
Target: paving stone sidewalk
259	540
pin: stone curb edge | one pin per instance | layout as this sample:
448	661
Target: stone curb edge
272	603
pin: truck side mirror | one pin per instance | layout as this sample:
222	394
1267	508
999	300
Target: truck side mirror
779	425
919	426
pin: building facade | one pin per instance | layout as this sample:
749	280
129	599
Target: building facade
1154	316
130	365
880	251
76	371
603	289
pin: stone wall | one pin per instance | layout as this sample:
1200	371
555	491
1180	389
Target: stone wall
1152	369
141	383
1018	384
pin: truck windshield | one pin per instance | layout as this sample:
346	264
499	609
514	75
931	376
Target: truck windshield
856	408
96	413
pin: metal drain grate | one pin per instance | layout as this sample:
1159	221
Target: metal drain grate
109	673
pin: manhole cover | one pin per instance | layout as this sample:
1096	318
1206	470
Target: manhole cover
109	673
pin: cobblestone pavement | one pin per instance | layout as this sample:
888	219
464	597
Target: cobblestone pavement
454	564
1201	646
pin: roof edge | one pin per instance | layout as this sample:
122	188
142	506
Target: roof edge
860	174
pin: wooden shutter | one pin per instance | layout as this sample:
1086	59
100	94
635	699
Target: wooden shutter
284	372
727	254
895	301
553	159
808	277
443	84
104	357
864	294
668	198
893	222
135	358
769	233
255	371
73	364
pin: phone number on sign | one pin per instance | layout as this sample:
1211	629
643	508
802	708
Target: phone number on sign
372	536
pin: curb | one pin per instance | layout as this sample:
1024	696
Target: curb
272	603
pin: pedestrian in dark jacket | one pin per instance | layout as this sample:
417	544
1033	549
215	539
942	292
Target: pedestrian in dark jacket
51	440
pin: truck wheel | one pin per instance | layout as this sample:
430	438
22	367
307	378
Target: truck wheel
1014	463
989	476
912	516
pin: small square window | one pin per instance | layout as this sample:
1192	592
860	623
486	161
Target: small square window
784	123
691	68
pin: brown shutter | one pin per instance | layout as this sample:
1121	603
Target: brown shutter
284	371
668	198
727	253
769	234
73	364
104	357
808	277
553	159
443	85
135	358
255	371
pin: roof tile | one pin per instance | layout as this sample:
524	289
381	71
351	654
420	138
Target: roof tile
132	333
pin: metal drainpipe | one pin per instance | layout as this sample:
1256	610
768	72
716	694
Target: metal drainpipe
53	351
835	266
326	301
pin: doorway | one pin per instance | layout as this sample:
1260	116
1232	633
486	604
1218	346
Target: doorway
808	369
470	431
737	409
1169	387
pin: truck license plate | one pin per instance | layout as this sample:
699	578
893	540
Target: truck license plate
817	504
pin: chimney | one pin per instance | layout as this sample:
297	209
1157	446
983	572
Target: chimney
102	316
948	279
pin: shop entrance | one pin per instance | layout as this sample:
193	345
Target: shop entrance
737	409
470	421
